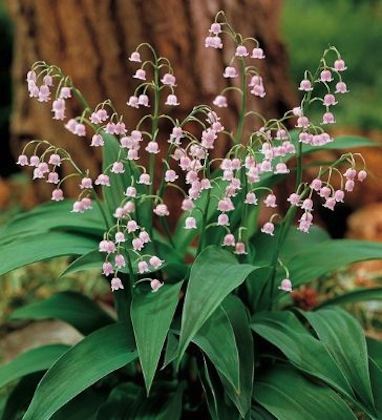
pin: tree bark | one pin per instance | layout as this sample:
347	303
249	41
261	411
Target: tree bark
92	39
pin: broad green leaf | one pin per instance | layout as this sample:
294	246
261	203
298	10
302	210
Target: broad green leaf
228	328
31	361
97	355
20	397
329	256
151	316
83	407
218	404
358	295
340	143
287	394
71	307
308	354
214	274
90	261
171	350
42	246
374	348
56	216
217	334
376	380
344	339
240	323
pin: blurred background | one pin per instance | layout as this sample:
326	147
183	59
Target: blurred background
92	39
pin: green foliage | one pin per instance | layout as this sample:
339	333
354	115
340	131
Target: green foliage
355	28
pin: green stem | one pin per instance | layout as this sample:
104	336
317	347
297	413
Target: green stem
243	109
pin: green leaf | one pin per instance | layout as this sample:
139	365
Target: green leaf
228	328
42	246
340	143
89	261
171	350
151	316
55	216
20	397
329	256
344	339
374	348
217	333
308	354
376	380
97	355
287	394
214	274
354	296
71	307
35	360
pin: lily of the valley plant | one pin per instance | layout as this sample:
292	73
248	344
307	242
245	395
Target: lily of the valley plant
204	323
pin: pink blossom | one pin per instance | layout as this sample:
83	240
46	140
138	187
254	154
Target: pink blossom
329	100
155	285
172	100
362	175
223	219
107	268
170	176
349	185
339	196
220	101
53	178
54	159
303	122
281	168
229	240
161	210
341	87
306	85
225	205
251	198
131	192
132	226
119	261
258	53
294	199
326	76
143	100
213	42
144	179
143	267
168	79
240	248
155	262
129	207
133	102
135	57
350	173
47	80
65	92
328	118
102	179
230	72
340	65
97	140
330	202
86	183
144	237
316	184
57	195
285	285
325	192
241	51
307	204
270	200
190	223
118	168
116	284
140	74
137	244
215	28
22	160
38	174
268	228
187	204
152	147
119	237
44	94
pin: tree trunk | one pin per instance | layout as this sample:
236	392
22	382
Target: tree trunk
92	39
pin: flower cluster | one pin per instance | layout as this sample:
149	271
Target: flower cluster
230	183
